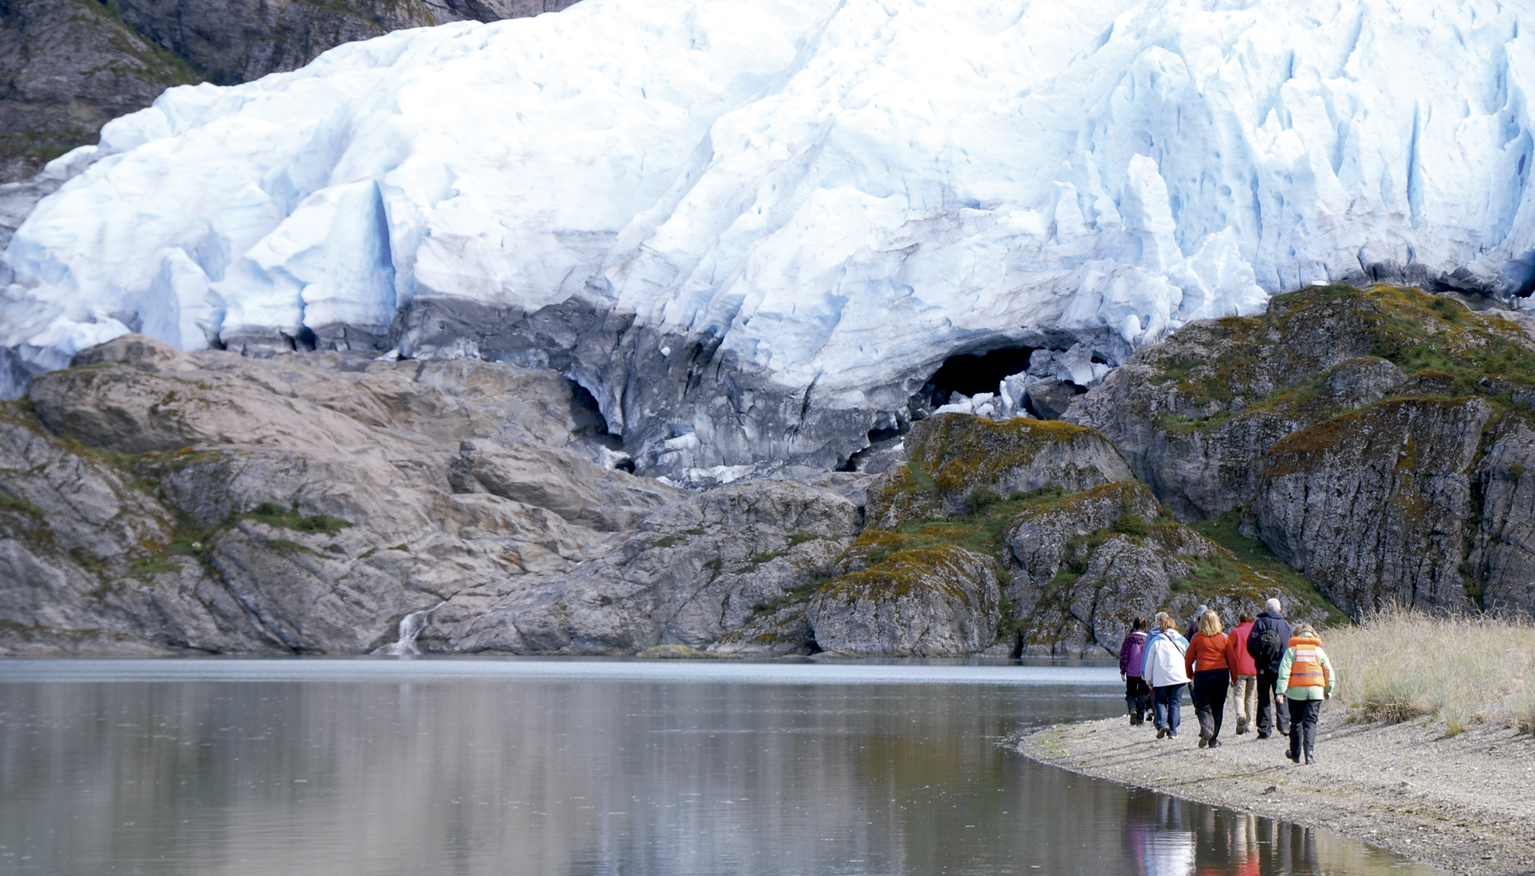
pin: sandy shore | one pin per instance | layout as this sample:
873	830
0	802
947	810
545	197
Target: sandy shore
1464	804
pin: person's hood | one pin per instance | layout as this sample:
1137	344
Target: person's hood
1138	636
1270	615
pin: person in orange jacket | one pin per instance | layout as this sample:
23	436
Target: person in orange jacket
1307	678
1205	663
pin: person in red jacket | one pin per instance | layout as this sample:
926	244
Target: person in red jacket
1244	671
1205	662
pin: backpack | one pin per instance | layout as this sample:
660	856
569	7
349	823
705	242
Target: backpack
1267	647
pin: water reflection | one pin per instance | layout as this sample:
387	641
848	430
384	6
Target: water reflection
544	776
1168	837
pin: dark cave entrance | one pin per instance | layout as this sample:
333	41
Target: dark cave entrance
592	425
973	373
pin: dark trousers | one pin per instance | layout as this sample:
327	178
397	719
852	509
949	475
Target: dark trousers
1167	705
1303	715
1137	698
1210	700
1269	703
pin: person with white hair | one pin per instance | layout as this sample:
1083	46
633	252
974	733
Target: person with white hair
1266	643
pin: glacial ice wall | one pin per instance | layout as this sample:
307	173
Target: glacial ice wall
754	229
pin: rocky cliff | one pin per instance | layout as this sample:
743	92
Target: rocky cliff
1374	439
1347	449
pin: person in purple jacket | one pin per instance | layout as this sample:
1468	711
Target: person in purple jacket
1131	650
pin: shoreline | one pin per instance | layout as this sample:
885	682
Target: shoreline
1464	804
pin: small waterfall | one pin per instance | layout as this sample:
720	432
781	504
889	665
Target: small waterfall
411	626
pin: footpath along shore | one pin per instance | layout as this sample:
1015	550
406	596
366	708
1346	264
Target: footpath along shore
1464	804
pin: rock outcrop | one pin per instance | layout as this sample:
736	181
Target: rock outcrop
934	602
1373	439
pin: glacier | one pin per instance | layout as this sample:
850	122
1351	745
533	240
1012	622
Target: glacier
755	230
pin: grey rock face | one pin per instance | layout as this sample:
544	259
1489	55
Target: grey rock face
1502	555
939	602
1039	538
1373	506
579	491
65	70
695	570
784	633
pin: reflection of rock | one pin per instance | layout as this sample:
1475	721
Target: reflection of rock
939	602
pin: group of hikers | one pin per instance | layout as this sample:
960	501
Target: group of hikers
1283	668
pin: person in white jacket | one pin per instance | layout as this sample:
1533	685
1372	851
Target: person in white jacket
1162	667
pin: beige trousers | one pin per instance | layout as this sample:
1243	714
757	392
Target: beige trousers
1244	698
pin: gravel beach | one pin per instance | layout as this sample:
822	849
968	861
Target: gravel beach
1464	804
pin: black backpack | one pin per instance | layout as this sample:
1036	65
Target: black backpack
1267	647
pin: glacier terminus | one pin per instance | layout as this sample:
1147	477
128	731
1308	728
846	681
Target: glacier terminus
755	232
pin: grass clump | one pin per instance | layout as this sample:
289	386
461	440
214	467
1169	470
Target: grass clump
290	518
800	594
1398	665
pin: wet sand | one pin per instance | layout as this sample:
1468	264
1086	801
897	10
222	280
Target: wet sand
1464	804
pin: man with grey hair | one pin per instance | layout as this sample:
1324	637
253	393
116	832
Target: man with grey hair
1266	643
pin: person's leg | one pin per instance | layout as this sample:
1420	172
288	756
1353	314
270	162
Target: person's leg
1174	708
1295	733
1130	697
1159	709
1142	700
1201	712
1266	705
1249	701
1313	711
1218	687
1281	710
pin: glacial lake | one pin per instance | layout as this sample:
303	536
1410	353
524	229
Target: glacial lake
630	768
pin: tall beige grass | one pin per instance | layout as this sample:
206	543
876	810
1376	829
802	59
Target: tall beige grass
1398	665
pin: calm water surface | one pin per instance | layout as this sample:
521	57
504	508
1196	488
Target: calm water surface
587	767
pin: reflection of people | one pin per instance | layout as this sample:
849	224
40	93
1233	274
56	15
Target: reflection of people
1244	674
1163	670
1205	661
1307	678
1266	643
1131	650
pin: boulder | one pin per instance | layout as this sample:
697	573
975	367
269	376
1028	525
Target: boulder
782	633
937	602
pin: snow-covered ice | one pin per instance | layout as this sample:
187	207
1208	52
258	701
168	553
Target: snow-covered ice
754	227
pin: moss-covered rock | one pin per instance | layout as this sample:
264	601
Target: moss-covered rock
782	633
956	460
1039	538
1194	415
930	602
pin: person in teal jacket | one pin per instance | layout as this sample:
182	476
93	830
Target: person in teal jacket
1307	678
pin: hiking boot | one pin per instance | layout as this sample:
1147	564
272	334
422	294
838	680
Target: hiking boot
1161	731
1294	758
1215	743
1310	757
1203	742
1262	735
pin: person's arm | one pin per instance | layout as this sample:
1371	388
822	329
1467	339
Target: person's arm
1284	672
1188	660
1328	675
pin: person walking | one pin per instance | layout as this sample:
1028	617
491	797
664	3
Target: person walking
1162	667
1307	678
1131	652
1266	644
1244	675
1205	662
1194	624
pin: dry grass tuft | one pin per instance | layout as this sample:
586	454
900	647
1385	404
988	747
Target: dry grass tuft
1398	665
